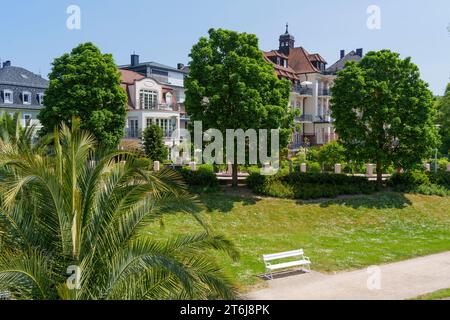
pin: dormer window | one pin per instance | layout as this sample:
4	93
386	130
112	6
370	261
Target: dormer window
26	97
278	61
8	96
40	98
285	63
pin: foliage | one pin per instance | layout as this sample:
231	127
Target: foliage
309	185
430	183
403	181
331	154
231	86
13	134
74	205
384	112
441	178
203	179
432	190
443	120
86	84
154	146
313	167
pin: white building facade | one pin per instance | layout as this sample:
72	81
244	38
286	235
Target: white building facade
155	97
311	89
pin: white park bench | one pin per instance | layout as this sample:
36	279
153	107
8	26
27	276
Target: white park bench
300	260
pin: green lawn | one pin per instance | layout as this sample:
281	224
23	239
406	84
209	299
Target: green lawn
337	235
438	295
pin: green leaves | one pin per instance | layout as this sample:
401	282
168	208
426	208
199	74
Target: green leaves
154	144
86	84
74	205
384	112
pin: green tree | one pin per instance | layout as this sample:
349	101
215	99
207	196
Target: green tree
86	83
384	112
154	146
89	211
231	86
443	120
331	154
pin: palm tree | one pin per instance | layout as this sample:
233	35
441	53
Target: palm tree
12	133
74	225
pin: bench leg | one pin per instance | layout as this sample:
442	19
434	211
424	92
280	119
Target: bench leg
269	275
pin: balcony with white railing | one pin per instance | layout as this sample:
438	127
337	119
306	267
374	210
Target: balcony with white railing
303	91
159	106
324	92
305	118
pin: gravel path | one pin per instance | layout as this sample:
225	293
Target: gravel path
397	281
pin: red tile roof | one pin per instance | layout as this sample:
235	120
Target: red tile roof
129	77
299	60
280	70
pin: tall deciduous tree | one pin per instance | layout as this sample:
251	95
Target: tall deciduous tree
443	120
153	143
231	86
384	112
86	83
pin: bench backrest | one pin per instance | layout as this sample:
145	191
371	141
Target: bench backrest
282	255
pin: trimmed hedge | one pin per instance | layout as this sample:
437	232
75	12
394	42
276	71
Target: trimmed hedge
204	178
307	186
441	178
408	180
429	183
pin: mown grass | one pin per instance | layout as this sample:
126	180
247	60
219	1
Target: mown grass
337	235
438	295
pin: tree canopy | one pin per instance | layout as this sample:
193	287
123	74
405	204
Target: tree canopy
384	112
231	86
86	83
443	120
154	144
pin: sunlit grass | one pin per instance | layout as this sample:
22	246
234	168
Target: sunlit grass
337	235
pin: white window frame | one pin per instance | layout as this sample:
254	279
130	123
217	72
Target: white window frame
12	96
26	93
148	99
40	97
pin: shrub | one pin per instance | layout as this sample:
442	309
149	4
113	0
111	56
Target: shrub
278	189
204	178
408	180
432	190
256	180
154	144
314	167
441	178
310	185
330	154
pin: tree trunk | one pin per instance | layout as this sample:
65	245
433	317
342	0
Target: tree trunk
235	174
379	172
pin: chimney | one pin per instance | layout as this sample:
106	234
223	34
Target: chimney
134	59
342	53
7	64
180	66
359	52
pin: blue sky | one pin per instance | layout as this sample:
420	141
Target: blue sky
34	32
